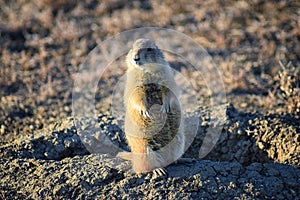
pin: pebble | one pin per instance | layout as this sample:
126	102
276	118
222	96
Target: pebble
2	129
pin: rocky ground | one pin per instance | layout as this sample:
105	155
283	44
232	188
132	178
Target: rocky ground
47	152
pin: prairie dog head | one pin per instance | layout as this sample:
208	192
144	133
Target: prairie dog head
144	51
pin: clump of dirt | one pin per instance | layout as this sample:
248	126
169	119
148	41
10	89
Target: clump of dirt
254	137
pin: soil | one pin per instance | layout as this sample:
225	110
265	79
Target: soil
47	152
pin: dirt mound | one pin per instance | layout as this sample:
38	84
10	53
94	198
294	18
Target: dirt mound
92	176
254	137
55	163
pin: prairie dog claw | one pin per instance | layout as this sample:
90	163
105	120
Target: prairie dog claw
165	108
146	114
160	172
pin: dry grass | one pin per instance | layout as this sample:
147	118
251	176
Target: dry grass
44	42
286	89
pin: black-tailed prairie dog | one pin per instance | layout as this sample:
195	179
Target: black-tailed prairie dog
153	115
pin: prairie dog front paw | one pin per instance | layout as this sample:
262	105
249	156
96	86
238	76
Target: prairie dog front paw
143	111
165	108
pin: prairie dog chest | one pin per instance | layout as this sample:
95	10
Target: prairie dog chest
153	93
150	82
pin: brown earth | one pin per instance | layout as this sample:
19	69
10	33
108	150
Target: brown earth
44	154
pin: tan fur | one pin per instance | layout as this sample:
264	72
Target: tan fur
153	114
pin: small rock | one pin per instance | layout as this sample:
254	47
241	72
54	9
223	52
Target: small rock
2	129
260	145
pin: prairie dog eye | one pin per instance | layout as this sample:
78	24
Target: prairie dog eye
136	58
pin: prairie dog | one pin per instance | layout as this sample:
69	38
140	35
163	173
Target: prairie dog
153	115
